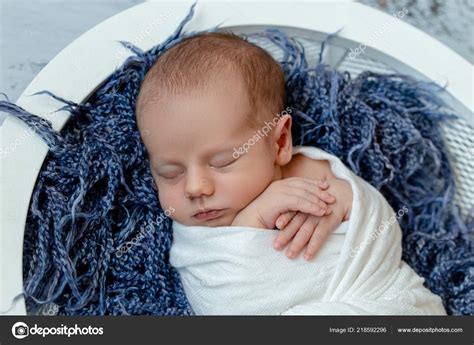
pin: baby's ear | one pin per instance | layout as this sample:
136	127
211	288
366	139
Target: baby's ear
283	140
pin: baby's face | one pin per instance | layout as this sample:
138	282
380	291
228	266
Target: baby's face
191	140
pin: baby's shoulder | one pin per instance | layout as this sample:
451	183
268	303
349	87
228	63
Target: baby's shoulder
303	166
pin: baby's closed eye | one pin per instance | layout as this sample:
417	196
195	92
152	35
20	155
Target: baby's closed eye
222	161
169	172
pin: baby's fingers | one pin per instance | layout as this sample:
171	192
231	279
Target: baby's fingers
323	194
306	203
315	188
284	219
326	226
285	235
326	197
302	237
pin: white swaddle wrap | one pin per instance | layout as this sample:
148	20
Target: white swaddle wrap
235	270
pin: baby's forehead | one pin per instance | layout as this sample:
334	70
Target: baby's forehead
158	91
226	93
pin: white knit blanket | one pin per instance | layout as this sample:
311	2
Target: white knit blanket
235	270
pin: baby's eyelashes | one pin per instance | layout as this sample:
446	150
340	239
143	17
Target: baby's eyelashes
168	177
170	171
222	162
169	174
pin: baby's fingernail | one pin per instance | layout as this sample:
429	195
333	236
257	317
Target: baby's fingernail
277	245
307	256
279	224
290	254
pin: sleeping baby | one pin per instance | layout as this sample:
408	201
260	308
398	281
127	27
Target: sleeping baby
220	149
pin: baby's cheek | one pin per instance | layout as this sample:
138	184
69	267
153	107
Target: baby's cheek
170	201
165	201
250	188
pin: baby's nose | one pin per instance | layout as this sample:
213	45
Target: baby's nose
198	187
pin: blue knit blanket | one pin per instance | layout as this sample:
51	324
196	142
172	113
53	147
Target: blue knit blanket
95	194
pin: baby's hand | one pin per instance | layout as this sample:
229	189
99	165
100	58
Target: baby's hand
306	229
291	194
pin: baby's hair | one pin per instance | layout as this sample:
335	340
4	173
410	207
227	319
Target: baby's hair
191	63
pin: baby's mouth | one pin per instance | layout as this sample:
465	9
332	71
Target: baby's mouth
208	214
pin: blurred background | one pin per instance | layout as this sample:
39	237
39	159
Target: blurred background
32	32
